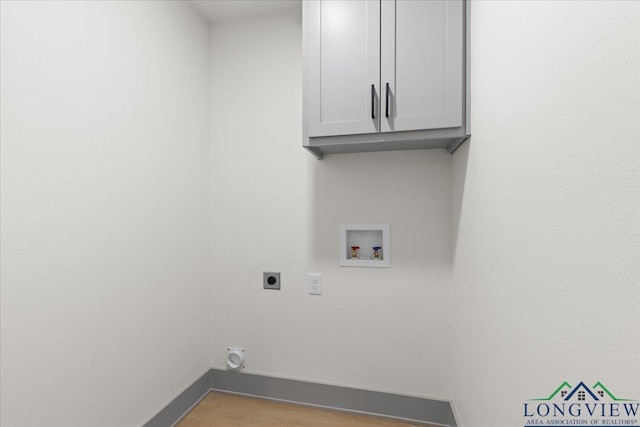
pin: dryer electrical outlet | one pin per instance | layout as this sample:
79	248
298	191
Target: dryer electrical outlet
271	280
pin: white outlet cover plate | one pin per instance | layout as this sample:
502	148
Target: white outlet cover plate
315	284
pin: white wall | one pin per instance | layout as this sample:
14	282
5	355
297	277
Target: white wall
546	266
106	306
104	133
276	208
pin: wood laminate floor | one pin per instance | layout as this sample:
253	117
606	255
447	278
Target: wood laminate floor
228	410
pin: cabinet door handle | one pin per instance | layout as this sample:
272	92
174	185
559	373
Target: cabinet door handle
373	101
386	107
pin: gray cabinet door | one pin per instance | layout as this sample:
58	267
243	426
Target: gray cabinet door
422	52
343	66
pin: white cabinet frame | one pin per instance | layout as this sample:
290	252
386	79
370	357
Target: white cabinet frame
385	134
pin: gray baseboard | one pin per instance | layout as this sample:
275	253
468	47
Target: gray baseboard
178	407
412	409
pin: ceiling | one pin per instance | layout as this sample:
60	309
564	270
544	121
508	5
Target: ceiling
220	10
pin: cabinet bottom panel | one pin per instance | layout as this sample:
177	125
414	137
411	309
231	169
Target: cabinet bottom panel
411	140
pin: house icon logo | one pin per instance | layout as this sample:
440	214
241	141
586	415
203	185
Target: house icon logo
581	405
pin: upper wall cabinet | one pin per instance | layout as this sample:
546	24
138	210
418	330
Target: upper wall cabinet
384	75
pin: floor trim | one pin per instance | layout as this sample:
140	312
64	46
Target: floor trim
456	414
388	405
182	404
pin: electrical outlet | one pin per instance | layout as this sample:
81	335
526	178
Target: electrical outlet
271	280
315	284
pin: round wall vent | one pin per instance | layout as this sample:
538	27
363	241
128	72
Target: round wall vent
235	358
